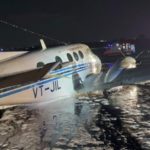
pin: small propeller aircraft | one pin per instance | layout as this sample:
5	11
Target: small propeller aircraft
55	73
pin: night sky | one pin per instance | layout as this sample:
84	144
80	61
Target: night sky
73	21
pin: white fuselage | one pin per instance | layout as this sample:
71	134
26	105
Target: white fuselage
61	82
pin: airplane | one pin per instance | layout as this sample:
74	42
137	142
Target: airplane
52	74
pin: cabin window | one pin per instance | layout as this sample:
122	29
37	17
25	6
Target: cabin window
40	64
58	59
75	56
69	57
81	54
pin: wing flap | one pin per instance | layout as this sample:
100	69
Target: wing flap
25	77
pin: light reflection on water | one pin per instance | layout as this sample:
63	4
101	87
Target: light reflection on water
91	121
126	99
68	120
134	103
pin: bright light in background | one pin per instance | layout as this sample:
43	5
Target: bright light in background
117	44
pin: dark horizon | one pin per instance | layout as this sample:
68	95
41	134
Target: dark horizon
73	21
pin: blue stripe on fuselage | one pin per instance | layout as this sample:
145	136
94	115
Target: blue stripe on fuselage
40	82
69	68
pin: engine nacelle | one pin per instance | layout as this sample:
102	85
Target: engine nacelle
128	62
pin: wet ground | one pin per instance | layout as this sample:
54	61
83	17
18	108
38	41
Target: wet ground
120	121
134	103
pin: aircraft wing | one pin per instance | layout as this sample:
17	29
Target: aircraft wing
132	76
26	77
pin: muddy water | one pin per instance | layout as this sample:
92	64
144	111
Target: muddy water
88	123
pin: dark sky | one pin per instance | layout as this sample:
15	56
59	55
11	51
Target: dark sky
73	21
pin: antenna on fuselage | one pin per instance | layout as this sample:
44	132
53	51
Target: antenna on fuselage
43	45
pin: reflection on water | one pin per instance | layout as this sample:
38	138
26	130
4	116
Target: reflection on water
134	103
126	99
89	122
67	122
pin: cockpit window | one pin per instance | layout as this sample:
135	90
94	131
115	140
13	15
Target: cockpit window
69	57
58	59
40	64
81	54
75	56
